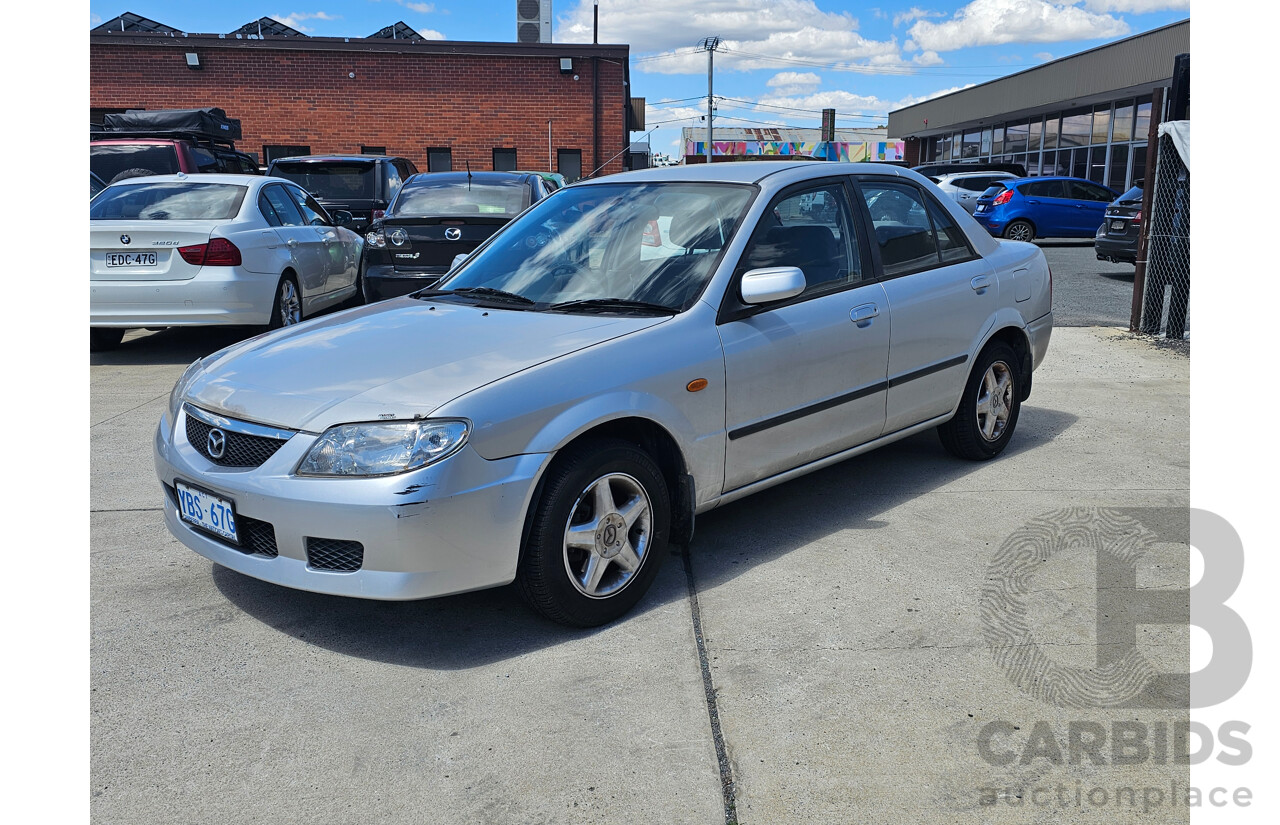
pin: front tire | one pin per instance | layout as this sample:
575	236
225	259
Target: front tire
598	534
1020	230
988	413
286	310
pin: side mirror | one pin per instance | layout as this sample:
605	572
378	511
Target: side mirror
772	283
457	261
341	217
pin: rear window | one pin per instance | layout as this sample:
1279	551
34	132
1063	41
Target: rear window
168	202
107	161
332	181
993	190
1133	195
429	198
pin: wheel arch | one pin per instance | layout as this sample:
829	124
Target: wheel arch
1016	337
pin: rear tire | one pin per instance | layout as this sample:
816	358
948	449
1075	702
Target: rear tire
988	413
286	310
598	533
135	172
102	339
1020	230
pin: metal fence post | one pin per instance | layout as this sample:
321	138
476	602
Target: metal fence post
1148	187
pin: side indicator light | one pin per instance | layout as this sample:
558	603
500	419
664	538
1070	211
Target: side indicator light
696	384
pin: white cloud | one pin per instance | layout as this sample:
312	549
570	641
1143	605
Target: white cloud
294	19
914	13
431	34
793	83
94	19
1136	6
420	8
1043	57
850	103
992	22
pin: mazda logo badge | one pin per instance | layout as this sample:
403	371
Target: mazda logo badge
124	239
217	443
453	233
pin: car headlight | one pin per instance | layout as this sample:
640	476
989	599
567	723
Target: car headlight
180	388
383	447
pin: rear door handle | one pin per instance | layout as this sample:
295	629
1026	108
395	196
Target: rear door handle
862	315
980	283
1031	201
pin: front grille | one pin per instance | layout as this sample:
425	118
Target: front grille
257	538
242	450
334	554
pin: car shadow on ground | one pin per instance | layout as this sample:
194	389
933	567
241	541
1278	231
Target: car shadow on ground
1125	275
473	629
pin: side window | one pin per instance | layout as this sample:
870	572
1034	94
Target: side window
268	211
394	181
978	184
1042	189
903	229
286	210
952	244
1081	191
312	212
205	160
811	229
406	168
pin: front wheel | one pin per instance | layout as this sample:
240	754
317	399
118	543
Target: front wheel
598	534
287	308
988	413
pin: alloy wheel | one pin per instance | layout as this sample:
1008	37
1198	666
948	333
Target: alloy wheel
608	535
995	401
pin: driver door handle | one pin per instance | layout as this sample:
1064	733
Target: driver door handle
980	283
862	315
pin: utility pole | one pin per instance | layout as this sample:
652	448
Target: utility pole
709	44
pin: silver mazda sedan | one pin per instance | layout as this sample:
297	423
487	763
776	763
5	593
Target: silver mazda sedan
630	352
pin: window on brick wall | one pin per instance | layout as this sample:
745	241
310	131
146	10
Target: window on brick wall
439	160
373	150
504	160
569	163
281	151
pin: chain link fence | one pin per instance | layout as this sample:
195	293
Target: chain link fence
1167	292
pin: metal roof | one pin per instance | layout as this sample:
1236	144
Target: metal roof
268	27
130	22
1130	66
398	31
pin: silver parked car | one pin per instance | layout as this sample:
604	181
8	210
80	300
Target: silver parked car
565	403
173	250
966	187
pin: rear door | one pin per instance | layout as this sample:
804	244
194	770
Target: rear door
941	294
1048	207
1089	205
339	258
305	248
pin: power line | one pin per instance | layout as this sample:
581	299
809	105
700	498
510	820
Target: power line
778	106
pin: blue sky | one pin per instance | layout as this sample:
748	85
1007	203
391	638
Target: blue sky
782	61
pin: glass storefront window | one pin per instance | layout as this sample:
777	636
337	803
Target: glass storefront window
956	145
1015	138
986	142
1079	163
1101	123
997	140
972	145
1139	165
1051	131
1142	124
1033	136
1098	164
1077	128
1116	175
1122	123
1049	164
945	143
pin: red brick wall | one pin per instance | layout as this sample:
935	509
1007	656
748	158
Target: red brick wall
405	102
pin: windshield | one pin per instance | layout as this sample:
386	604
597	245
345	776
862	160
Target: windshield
424	197
332	181
654	243
108	160
168	202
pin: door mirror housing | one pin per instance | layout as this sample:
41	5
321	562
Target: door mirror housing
772	283
341	217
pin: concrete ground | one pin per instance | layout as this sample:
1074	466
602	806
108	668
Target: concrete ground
833	628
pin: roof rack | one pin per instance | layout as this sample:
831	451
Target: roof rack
163	134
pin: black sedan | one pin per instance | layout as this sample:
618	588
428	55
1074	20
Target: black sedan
436	217
1117	237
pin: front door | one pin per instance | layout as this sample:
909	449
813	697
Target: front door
805	377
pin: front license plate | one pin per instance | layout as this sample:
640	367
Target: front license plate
207	511
1118	226
132	259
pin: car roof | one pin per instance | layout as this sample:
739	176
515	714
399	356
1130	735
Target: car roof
463	175
742	172
202	177
976	172
323	158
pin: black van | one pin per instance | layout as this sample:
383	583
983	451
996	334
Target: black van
360	184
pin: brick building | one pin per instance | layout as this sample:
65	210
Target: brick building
561	106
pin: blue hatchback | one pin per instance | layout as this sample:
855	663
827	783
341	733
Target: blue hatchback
1026	208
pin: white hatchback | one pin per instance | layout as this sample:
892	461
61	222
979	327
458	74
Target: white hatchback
173	250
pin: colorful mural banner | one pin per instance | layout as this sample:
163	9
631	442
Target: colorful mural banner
826	150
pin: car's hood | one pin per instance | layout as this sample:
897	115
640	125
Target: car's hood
392	360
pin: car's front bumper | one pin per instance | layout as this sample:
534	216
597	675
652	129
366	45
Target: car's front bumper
447	528
387	282
216	295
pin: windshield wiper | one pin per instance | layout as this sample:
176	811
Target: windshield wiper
612	304
479	292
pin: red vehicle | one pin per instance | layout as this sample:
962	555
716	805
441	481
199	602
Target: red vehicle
168	141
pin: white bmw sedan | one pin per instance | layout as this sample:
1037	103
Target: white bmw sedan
173	250
561	407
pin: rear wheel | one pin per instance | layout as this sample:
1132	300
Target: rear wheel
287	309
988	413
1020	231
104	338
598	534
